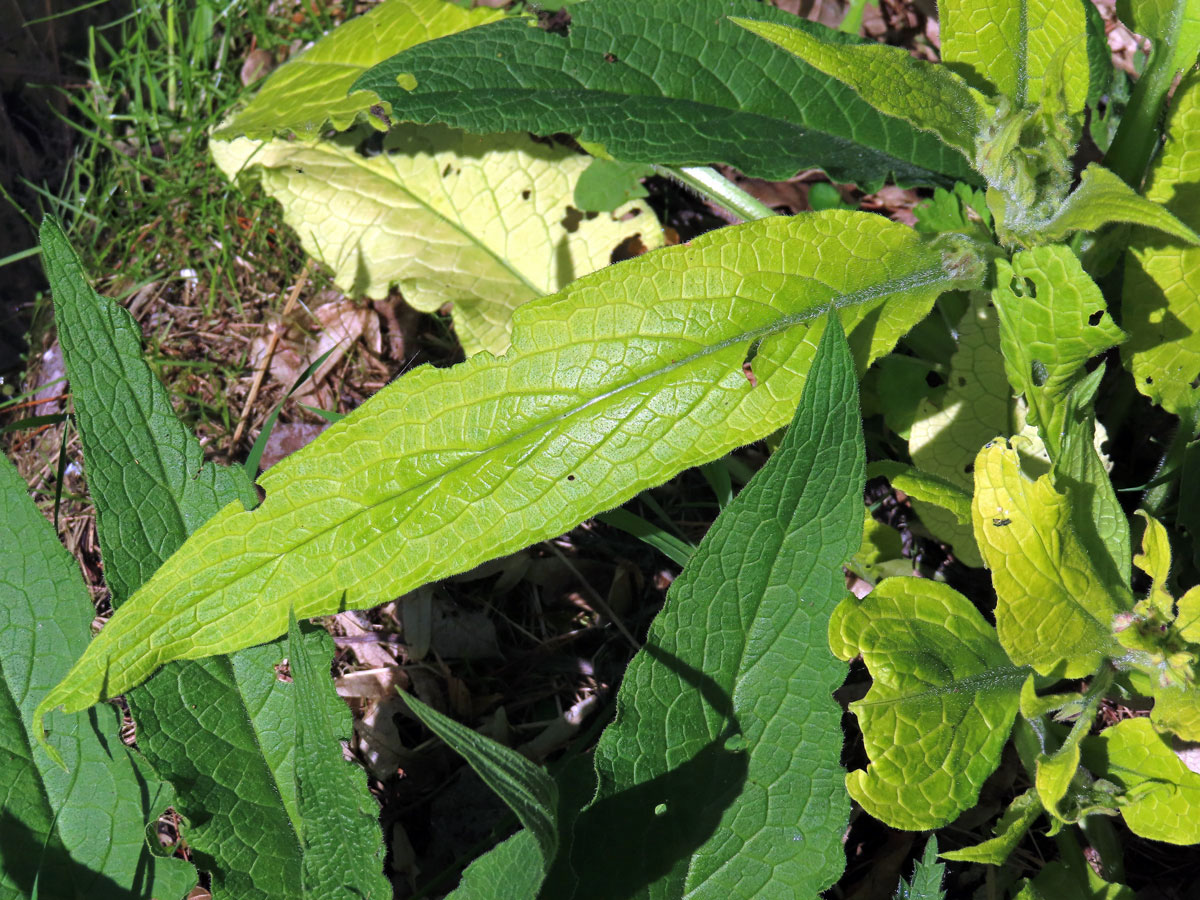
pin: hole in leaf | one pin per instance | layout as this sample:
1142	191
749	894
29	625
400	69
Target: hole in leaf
570	478
629	248
610	58
570	221
934	380
1094	318
556	22
526	194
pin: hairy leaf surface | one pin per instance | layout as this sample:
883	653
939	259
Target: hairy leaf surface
614	385
942	702
1052	321
343	852
931	97
80	833
1006	47
1161	301
312	90
1102	197
1162	795
1054	611
673	84
720	776
485	223
215	728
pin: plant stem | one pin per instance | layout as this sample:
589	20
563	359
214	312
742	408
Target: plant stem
713	186
1138	134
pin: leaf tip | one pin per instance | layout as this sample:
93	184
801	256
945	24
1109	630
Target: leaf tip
39	729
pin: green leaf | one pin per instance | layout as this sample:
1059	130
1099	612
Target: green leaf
925	487
719	776
1097	515
1052	321
953	424
1162	796
311	91
941	706
1174	24
930	96
1053	609
616	384
1007	48
607	184
947	211
927	876
1100	63
79	833
670	84
212	727
485	223
512	870
1161	299
343	851
1008	832
1102	197
524	787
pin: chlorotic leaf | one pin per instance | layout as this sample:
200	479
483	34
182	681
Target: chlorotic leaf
1162	796
616	384
1161	299
952	425
1053	610
671	84
1006	48
485	223
210	727
79	833
720	775
1052	321
931	97
941	706
1102	197
312	91
343	851
1008	832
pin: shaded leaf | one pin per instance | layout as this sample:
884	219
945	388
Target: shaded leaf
1008	832
720	776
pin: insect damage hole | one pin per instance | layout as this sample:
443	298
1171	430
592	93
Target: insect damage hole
748	363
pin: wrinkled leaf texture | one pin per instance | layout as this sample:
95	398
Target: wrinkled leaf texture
612	386
667	83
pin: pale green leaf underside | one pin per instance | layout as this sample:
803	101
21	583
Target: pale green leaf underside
726	721
1165	802
310	91
79	833
1053	319
485	223
929	96
1053	609
614	385
339	819
1102	197
941	706
664	83
210	727
1006	47
1161	299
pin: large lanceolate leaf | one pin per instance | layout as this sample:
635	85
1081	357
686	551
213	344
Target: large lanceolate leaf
1161	301
667	83
485	223
343	853
931	97
720	775
83	833
614	385
215	728
942	704
1006	47
1054	610
313	89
